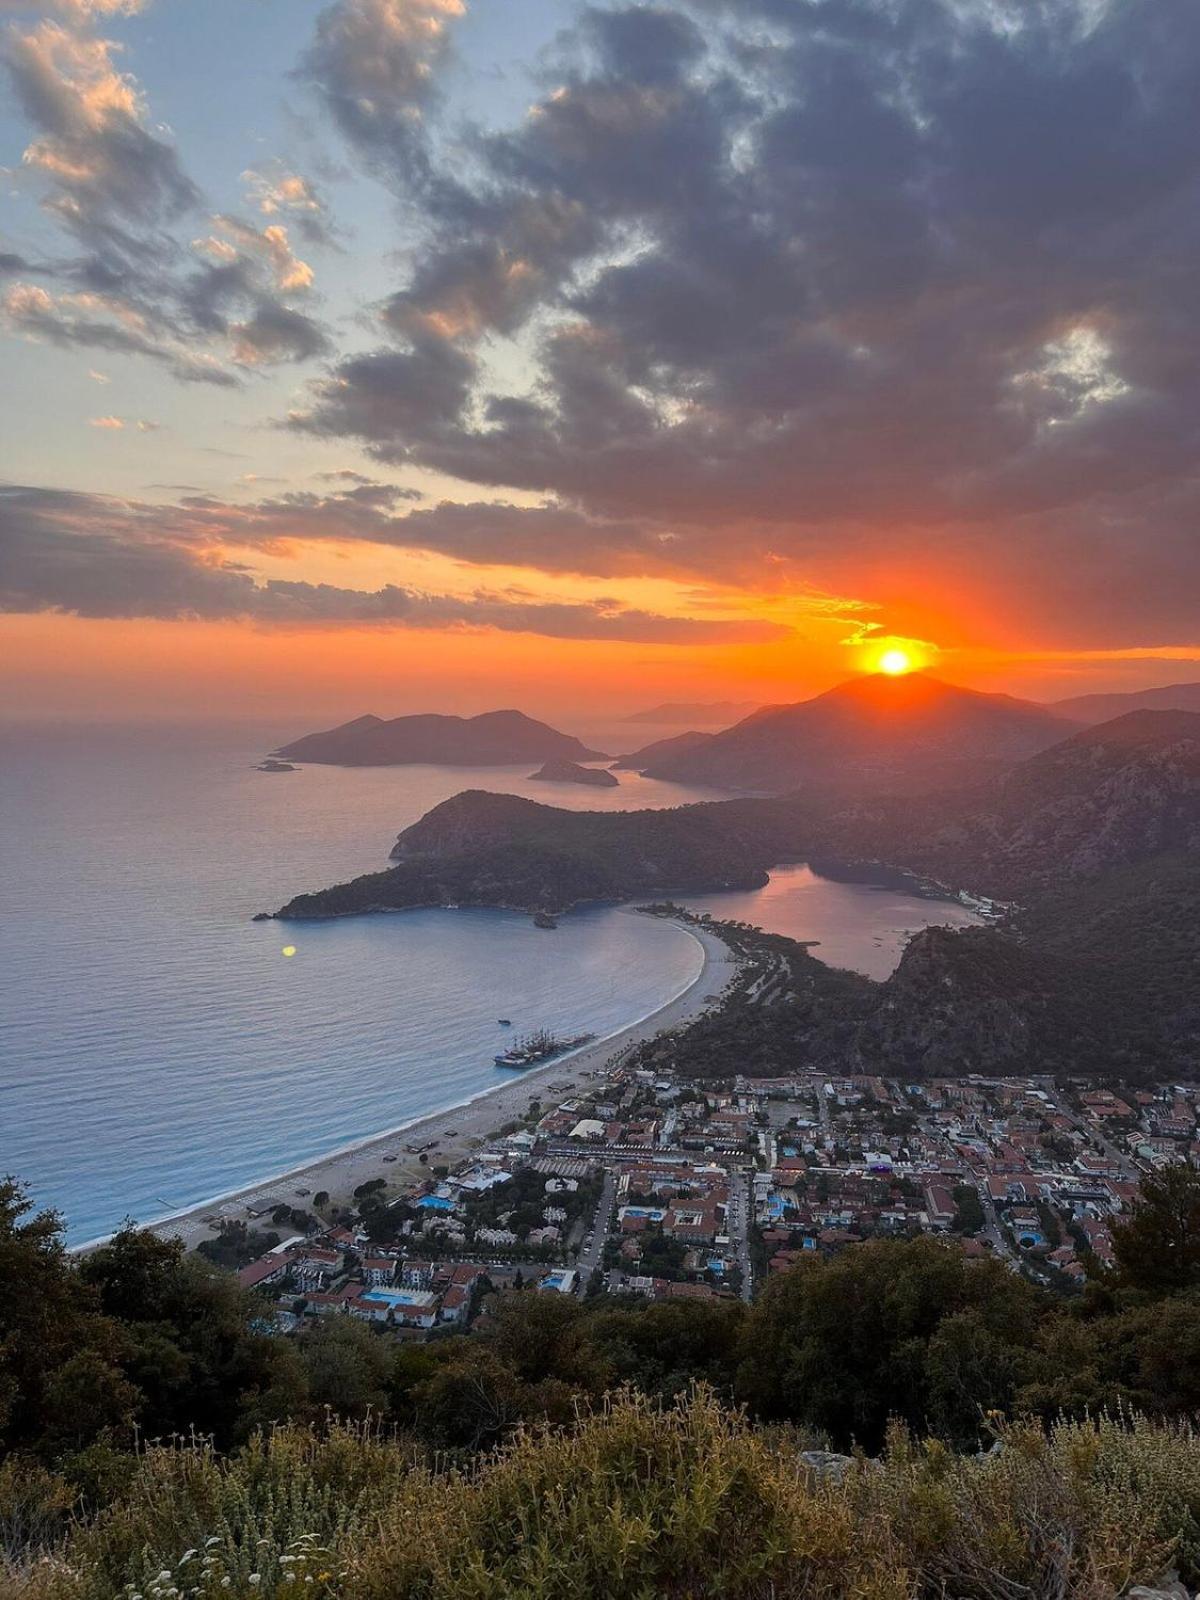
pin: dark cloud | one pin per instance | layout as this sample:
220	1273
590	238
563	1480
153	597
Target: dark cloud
276	333
93	146
796	281
119	191
373	63
95	557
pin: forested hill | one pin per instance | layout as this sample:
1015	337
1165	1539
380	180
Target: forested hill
502	850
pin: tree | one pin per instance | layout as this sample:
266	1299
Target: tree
193	1343
968	1214
846	1343
1158	1248
61	1357
349	1368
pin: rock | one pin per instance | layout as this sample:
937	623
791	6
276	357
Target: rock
827	1464
1165	1587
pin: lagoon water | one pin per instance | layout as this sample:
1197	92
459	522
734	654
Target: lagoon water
157	1047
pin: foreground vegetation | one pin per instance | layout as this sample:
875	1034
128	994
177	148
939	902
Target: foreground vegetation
500	1463
635	1500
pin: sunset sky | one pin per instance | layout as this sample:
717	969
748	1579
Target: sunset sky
442	354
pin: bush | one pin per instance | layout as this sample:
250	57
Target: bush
637	1501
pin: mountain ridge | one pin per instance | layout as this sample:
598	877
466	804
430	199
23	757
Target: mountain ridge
1093	708
908	731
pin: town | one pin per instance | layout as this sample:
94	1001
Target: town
646	1183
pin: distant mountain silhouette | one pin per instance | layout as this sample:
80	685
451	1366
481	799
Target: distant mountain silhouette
1091	708
497	738
660	750
706	714
912	731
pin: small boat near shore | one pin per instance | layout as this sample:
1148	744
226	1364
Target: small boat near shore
543	1045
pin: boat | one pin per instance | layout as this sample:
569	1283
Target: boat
543	919
505	1022
533	1048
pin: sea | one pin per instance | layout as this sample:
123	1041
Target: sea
159	1048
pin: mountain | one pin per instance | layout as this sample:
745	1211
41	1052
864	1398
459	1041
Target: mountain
709	714
908	732
1092	708
660	750
1108	797
560	771
497	738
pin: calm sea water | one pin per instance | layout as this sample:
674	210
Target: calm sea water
157	1048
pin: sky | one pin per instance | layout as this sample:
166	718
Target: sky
404	355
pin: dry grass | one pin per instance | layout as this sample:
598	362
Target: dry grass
634	1502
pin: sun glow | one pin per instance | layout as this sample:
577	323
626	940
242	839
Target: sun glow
896	662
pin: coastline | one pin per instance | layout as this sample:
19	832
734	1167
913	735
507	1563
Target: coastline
453	1131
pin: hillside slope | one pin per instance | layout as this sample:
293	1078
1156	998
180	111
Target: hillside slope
911	732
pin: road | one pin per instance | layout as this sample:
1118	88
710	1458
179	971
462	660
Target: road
738	1223
591	1256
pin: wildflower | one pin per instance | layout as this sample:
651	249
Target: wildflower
254	1577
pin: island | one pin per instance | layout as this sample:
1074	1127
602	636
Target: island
561	771
494	739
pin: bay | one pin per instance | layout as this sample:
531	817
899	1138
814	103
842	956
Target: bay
156	1045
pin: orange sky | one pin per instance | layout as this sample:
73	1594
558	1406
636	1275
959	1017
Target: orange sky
112	671
418	379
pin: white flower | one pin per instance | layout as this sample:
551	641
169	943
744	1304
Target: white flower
254	1578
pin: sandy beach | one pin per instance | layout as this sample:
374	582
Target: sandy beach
451	1134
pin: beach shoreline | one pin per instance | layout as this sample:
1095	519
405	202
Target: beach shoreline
452	1132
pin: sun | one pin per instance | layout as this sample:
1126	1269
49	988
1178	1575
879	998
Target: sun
896	663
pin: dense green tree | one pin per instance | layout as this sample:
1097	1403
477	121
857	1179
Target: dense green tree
194	1344
663	1349
348	1368
844	1344
61	1359
1158	1247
